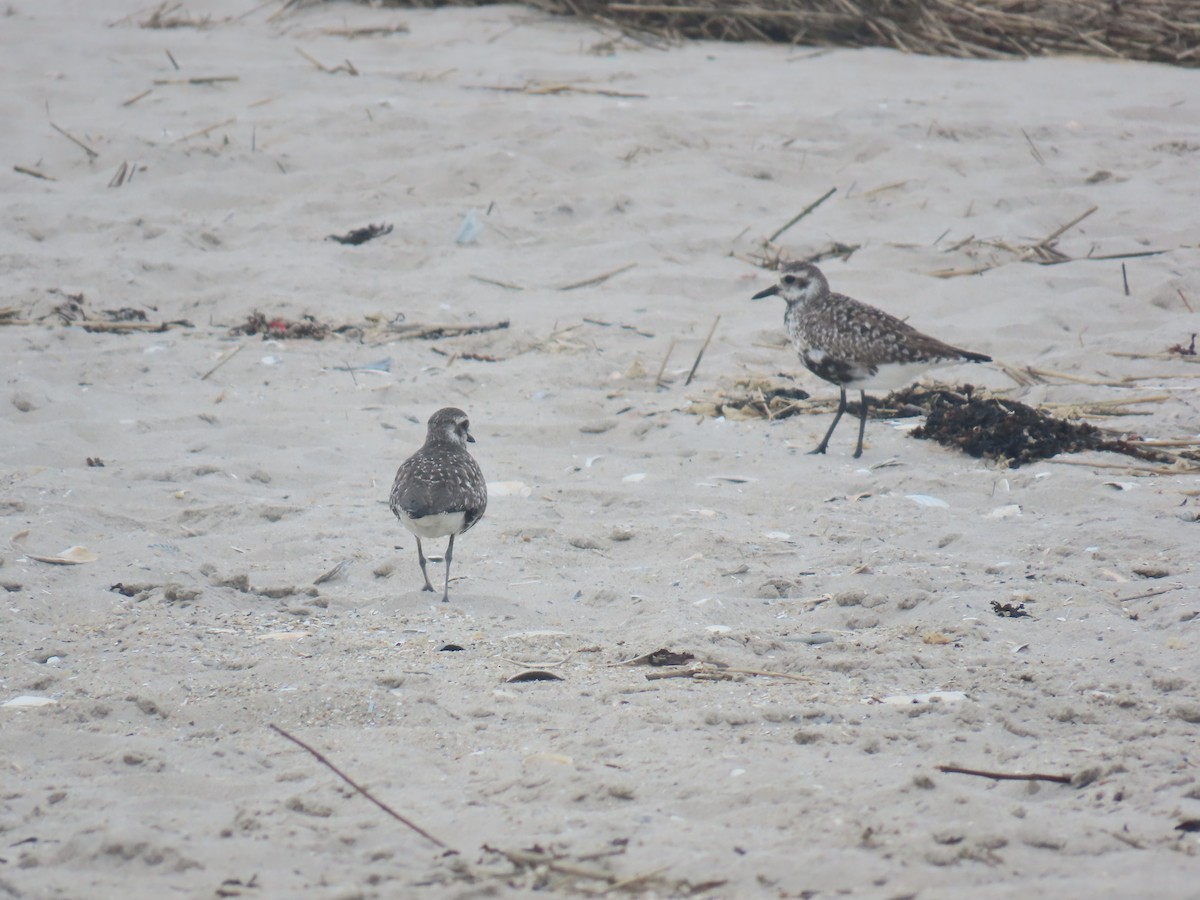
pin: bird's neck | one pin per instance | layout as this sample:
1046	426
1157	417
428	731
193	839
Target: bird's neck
443	440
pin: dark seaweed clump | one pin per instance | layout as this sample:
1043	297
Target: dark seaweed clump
1004	429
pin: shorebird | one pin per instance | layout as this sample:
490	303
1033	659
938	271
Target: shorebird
852	344
439	490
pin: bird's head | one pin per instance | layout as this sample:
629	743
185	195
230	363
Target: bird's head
452	426
798	283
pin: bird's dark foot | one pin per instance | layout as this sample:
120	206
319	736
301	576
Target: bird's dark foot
428	587
857	454
445	598
819	449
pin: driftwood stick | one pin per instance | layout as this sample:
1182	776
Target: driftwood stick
1005	776
362	790
704	347
804	212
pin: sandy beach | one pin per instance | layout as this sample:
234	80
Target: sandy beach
572	213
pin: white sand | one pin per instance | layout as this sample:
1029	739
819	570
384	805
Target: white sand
155	773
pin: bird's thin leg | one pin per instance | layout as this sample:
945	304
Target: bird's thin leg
824	445
862	421
449	556
424	574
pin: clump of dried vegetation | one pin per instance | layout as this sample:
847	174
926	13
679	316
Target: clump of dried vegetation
1155	30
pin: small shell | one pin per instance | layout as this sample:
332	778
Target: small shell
926	500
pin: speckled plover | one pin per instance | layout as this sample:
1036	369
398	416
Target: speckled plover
439	490
852	344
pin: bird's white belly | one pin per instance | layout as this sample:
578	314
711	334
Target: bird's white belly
440	525
893	376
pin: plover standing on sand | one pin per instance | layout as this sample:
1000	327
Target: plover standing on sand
439	490
852	344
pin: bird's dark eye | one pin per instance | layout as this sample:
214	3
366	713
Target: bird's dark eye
789	279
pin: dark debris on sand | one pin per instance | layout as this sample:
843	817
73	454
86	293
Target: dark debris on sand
1007	430
304	327
361	235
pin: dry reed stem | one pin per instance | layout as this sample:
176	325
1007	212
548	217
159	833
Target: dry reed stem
804	212
546	89
416	331
203	131
658	379
597	279
33	173
508	286
703	347
202	79
135	99
366	31
1175	469
224	359
1175	357
92	154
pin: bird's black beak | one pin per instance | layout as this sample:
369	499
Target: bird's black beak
769	292
470	438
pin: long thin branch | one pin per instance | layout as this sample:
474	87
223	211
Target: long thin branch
362	790
1006	776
